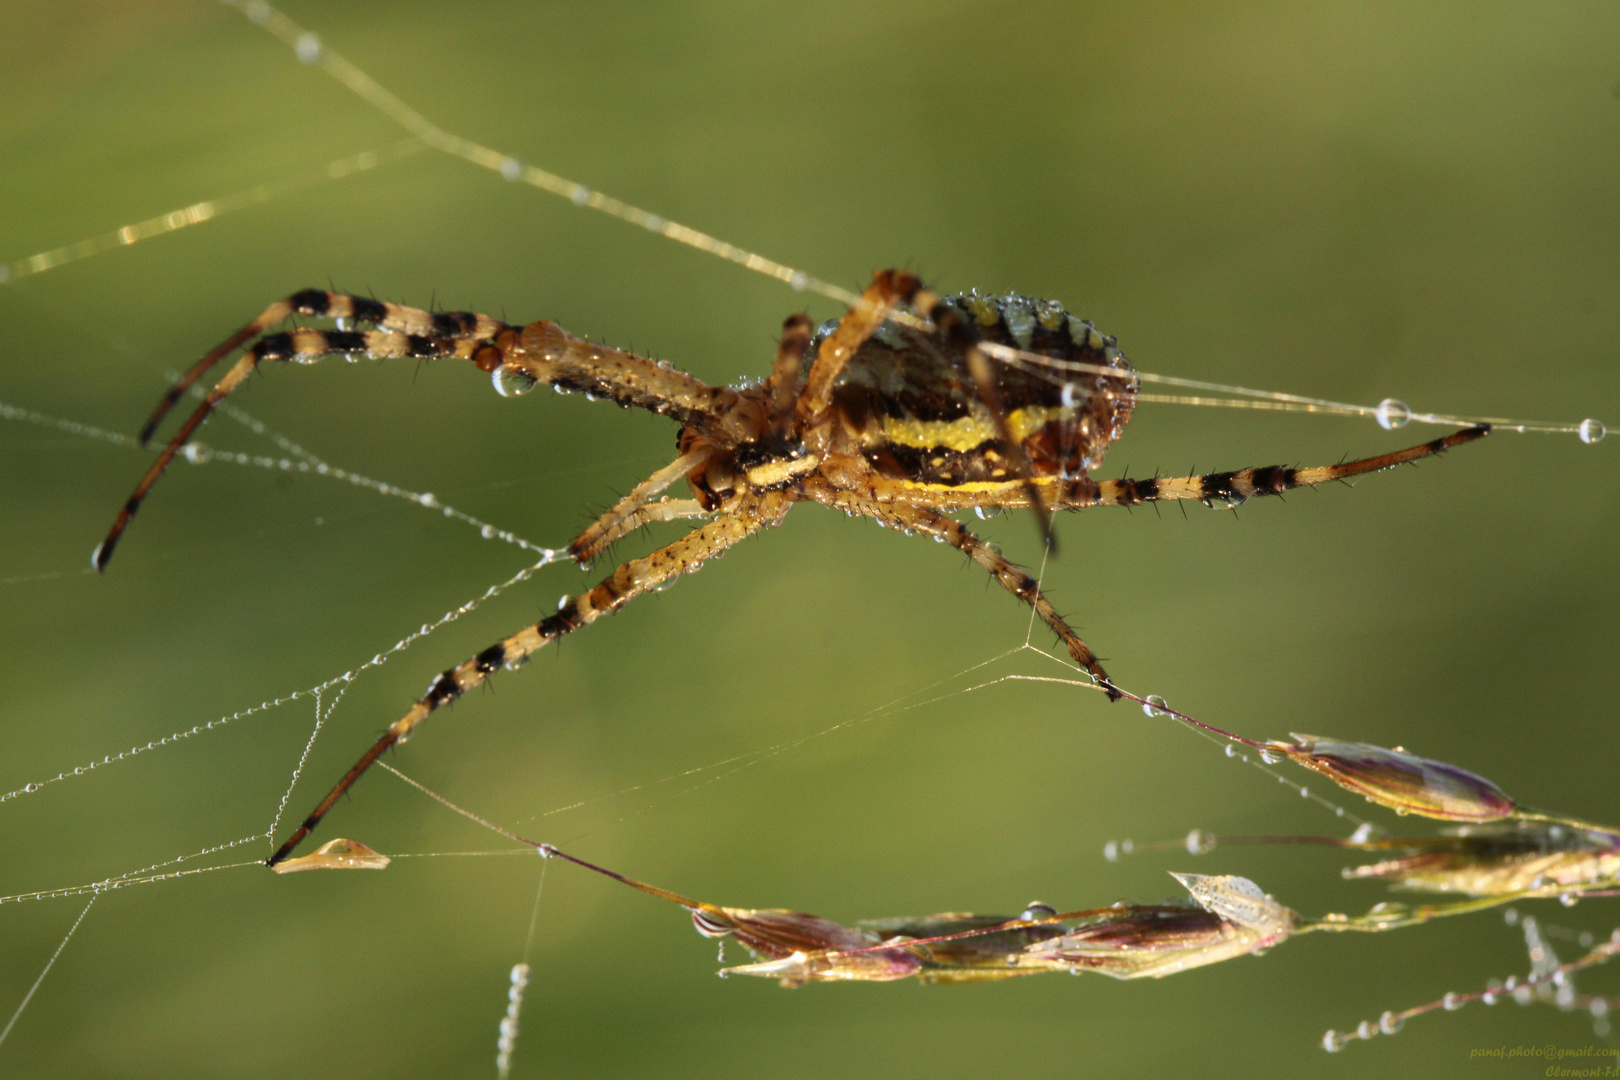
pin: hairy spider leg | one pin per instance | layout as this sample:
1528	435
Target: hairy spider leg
784	379
1228	488
637	509
1235	488
303	346
889	289
747	515
321	304
900	515
541	352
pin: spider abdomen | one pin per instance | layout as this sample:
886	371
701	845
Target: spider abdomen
908	405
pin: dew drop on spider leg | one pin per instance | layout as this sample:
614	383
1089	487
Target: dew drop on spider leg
1392	413
512	382
1154	705
1591	431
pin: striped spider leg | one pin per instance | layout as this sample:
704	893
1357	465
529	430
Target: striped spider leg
892	412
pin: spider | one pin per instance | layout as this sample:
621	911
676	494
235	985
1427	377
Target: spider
893	412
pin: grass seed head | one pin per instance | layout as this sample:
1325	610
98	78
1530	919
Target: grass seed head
1405	783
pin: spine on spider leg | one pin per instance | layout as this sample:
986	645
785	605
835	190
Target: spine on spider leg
1234	488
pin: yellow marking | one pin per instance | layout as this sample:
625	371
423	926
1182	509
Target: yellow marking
984	309
976	487
779	472
969	432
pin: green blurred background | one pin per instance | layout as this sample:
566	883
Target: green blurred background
1350	201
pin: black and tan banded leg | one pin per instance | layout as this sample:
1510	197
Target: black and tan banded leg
629	580
897	515
302	346
541	352
344	307
1234	488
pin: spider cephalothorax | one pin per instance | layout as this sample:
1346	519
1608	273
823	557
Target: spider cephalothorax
895	412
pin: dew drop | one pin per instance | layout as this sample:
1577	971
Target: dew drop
511	169
1038	910
487	532
1591	431
1362	834
1111	851
1268	757
1365	1030
1452	1001
1390	1023
1569	899
1153	705
1392	414
1231	751
1332	1042
1492	994
308	47
979	510
512	382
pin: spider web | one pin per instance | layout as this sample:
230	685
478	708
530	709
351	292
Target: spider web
654	739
